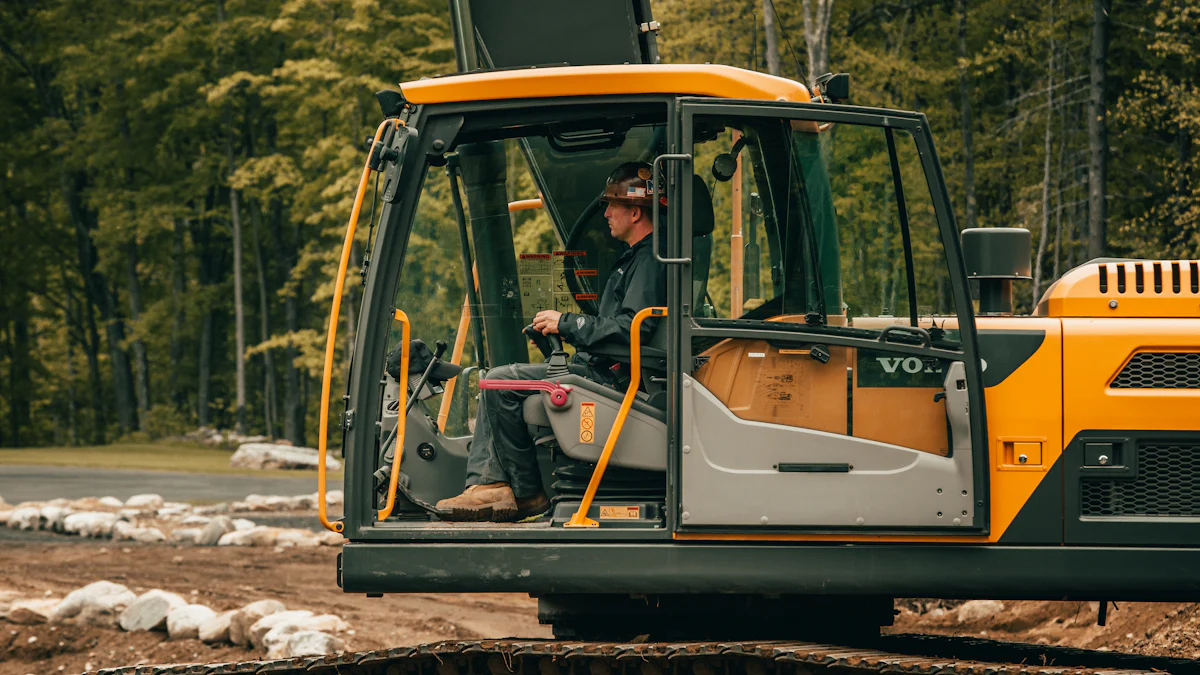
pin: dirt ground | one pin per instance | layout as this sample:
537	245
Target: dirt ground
227	578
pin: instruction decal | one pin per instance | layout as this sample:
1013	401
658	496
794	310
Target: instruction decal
587	422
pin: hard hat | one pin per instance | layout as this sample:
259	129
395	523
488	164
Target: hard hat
631	183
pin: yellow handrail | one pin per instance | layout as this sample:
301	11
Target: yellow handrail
401	420
580	518
460	341
331	341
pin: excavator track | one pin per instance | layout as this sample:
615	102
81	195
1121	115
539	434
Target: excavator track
914	654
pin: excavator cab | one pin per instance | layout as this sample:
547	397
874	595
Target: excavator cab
812	374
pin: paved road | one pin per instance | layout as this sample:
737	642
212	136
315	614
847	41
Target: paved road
40	483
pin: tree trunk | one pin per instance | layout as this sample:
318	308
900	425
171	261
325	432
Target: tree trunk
816	34
202	236
264	310
1047	149
72	184
179	316
141	362
970	218
238	307
20	381
772	36
122	373
1098	132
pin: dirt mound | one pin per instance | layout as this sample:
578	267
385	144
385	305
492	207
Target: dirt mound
1165	629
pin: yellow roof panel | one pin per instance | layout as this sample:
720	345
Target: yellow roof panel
696	80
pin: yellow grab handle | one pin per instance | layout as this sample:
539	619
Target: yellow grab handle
460	341
580	518
331	340
401	420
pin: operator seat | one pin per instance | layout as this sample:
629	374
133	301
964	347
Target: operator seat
643	442
703	222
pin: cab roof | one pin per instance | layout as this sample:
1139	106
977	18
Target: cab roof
696	80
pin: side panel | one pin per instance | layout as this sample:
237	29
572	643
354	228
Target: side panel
1024	379
1132	471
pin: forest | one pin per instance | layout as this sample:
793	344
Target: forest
177	175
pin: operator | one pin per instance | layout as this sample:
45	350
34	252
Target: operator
503	480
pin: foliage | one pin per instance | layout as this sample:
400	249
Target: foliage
124	127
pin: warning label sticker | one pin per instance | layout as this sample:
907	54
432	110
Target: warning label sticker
587	422
627	512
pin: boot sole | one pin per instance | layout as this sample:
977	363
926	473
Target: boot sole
481	514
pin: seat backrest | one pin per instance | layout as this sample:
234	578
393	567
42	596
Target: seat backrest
703	222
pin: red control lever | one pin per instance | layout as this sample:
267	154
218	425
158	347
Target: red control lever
559	393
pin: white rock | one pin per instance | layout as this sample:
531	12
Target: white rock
93	524
51	517
334	497
264	625
2	502
5	512
173	510
331	538
186	535
304	502
216	629
111	502
298	538
194	521
149	611
244	618
122	530
59	501
29	612
86	504
100	602
130	514
243	524
977	610
295	642
25	518
258	536
147	502
271	456
212	509
184	622
212	532
147	535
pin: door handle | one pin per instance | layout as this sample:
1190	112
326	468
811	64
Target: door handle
682	157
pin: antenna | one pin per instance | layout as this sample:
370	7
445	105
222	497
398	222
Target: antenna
799	70
754	41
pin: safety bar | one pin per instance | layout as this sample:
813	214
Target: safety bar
331	340
580	518
401	424
460	341
559	393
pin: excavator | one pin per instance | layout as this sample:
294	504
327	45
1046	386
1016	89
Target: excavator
837	405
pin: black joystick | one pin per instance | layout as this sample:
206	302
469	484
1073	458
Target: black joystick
551	348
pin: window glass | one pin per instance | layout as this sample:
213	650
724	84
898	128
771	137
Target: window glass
814	221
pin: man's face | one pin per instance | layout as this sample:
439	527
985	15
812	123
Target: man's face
621	218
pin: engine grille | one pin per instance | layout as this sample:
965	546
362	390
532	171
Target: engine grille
1160	370
1167	484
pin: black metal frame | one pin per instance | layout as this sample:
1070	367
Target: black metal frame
685	328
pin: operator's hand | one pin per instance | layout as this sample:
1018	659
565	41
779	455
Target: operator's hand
546	321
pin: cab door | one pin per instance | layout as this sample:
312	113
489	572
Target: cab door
830	379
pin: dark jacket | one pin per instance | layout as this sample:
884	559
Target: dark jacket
637	281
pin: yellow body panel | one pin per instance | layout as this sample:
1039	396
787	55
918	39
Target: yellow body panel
697	80
1111	290
1095	350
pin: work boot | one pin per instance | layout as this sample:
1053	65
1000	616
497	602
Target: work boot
479	503
525	507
